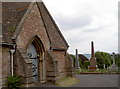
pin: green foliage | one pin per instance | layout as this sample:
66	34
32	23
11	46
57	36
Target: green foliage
83	66
80	62
14	82
117	60
103	58
11	28
86	64
74	58
66	82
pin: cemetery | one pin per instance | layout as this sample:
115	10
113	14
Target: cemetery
92	66
34	52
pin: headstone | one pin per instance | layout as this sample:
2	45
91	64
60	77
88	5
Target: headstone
104	66
77	65
113	67
93	63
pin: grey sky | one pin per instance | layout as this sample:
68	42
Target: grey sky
83	21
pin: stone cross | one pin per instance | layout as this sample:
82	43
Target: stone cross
113	67
113	58
77	65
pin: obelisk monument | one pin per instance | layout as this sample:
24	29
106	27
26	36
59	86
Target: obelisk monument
77	64
93	63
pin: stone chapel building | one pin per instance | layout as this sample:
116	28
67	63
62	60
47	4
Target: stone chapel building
32	44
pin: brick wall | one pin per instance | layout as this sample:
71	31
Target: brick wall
33	26
60	56
0	66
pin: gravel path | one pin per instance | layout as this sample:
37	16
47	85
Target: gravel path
92	80
97	80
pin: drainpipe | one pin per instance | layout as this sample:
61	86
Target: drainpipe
12	61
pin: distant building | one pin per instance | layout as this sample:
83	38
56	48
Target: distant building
87	55
83	58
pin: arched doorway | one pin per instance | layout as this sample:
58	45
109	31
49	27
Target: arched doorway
32	52
36	52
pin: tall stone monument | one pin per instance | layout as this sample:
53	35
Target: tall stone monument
77	64
93	63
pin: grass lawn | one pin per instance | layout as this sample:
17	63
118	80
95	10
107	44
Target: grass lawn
66	82
102	71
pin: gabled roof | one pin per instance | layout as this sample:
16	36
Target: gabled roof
52	29
13	13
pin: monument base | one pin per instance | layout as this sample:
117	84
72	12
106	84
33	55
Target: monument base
113	68
92	68
78	69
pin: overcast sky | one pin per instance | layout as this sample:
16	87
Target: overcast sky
83	21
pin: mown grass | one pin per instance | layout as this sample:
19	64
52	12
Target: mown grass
102	71
66	82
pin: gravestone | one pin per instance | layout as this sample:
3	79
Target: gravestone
77	64
93	63
113	67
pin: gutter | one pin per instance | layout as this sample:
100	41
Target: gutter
7	44
12	50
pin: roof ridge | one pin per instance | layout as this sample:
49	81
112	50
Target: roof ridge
55	24
43	22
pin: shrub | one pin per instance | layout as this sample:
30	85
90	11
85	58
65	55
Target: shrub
14	82
86	64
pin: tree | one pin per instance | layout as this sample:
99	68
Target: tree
103	58
74	58
117	60
86	64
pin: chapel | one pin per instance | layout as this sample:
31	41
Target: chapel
32	45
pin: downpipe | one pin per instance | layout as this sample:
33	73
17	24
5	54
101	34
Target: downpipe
12	51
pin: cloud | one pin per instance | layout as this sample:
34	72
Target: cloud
68	23
82	21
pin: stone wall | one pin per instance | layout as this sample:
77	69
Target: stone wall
51	67
61	65
69	65
23	67
0	66
33	26
60	57
5	64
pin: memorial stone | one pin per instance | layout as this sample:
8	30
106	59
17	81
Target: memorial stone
93	63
